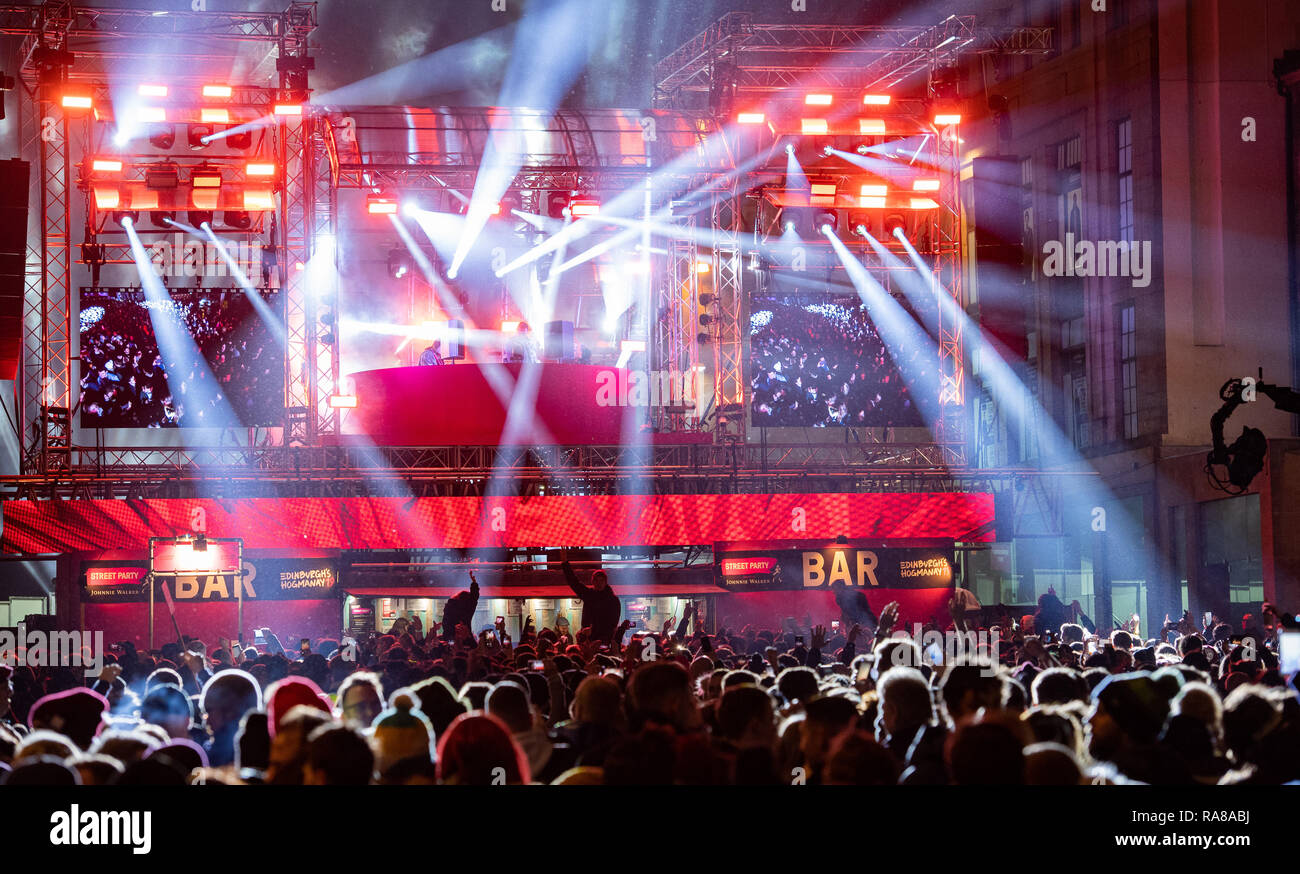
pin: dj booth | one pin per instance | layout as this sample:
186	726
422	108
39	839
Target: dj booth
468	404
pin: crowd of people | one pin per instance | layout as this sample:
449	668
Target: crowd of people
124	382
674	705
818	365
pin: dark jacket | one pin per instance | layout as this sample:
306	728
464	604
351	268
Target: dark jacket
600	609
857	611
459	611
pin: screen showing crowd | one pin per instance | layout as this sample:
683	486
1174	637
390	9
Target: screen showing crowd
820	363
125	383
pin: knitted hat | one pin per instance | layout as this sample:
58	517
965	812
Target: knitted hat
1136	704
284	695
400	732
76	713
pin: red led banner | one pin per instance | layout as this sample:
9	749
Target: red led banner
477	523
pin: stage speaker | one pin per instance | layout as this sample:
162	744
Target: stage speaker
455	350
15	177
559	341
998	219
1004	515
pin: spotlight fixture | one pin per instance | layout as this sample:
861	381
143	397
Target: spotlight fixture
162	219
863	149
894	224
399	263
378	205
163	137
327	320
162	176
199	217
197	135
828	218
240	140
556	203
237	219
584	207
205	177
123	216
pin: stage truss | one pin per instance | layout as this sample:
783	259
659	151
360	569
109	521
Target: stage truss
64	43
733	57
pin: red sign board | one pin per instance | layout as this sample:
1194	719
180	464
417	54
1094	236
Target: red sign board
210	556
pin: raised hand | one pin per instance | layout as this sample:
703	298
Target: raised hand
819	637
854	632
670	622
888	618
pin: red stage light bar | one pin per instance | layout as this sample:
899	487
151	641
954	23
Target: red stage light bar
206	178
583	208
221	91
876	100
259	168
343	402
376	205
152	90
751	118
105	165
77	101
287	109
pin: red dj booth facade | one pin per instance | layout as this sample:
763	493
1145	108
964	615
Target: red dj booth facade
469	405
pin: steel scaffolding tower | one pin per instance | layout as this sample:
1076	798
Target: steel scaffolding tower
65	43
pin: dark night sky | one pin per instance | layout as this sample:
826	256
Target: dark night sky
624	38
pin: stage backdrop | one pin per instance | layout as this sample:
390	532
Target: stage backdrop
792	583
477	523
295	598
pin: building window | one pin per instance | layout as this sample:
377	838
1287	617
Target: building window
1128	369
1075	384
1124	166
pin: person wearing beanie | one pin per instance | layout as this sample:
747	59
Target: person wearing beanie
401	732
284	695
76	713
